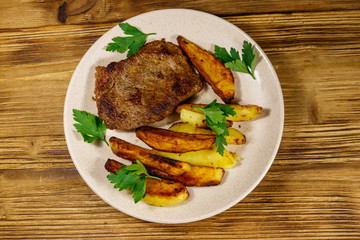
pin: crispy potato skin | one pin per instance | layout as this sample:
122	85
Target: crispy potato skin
147	157
213	71
171	141
198	176
157	193
192	176
243	112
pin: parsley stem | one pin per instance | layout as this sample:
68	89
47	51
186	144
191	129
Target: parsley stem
252	74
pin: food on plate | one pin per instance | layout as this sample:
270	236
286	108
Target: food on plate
171	141
235	137
214	72
147	157
207	157
164	167
157	192
233	61
243	112
146	87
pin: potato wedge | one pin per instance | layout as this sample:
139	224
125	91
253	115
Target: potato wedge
213	71
164	193
243	112
171	141
147	157
198	176
164	167
196	119
157	193
235	136
207	157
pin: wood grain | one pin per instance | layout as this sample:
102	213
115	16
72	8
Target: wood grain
310	192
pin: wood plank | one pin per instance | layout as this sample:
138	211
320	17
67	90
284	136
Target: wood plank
56	12
310	192
317	211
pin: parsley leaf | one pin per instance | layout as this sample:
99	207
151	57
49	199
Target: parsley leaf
238	66
91	127
133	43
215	114
232	60
248	55
222	54
131	177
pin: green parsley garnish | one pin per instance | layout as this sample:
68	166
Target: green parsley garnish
131	177
90	126
133	43
216	114
233	61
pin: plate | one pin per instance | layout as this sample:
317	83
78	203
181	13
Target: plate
263	134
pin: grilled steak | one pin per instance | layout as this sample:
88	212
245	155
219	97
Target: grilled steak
146	87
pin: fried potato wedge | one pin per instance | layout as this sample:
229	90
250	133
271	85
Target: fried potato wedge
163	167
196	119
235	136
198	176
243	112
147	157
171	141
158	193
210	68
207	157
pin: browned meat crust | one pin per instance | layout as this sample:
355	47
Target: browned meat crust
146	87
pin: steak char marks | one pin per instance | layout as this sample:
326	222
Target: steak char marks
146	87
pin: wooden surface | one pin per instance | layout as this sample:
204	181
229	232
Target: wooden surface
312	190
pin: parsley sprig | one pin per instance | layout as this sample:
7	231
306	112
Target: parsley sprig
91	127
216	114
136	40
232	60
131	177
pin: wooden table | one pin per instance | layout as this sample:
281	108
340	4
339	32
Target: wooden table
312	190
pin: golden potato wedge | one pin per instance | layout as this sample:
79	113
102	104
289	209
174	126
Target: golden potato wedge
157	193
198	176
164	193
207	157
195	118
235	136
147	157
243	112
171	141
213	71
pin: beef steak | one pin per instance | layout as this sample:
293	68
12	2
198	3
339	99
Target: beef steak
146	87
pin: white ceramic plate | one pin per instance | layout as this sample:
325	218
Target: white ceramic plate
263	134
